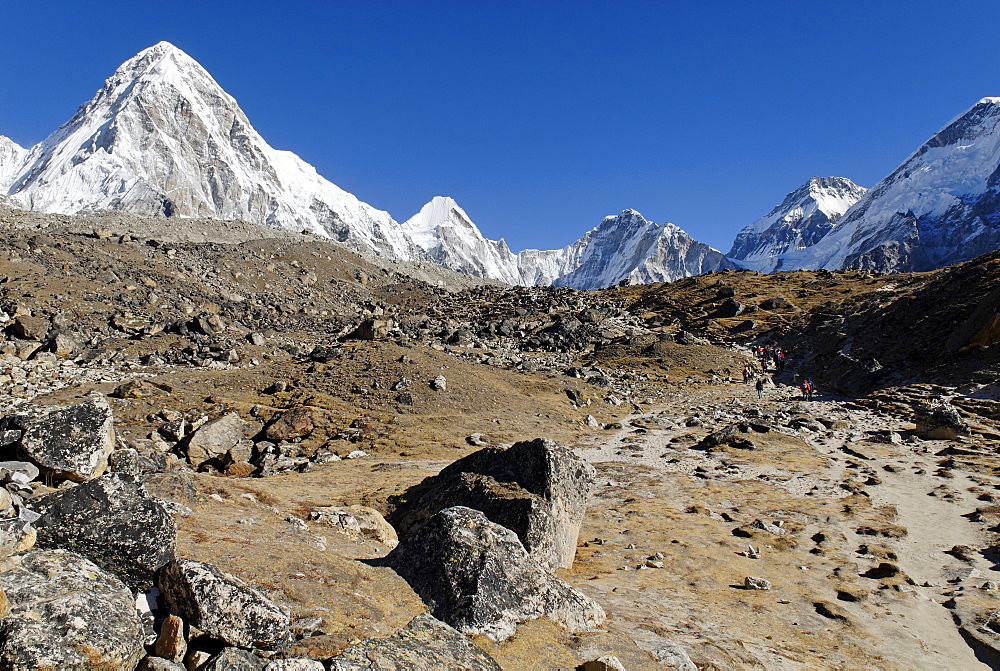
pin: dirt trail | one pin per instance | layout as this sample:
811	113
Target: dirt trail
658	495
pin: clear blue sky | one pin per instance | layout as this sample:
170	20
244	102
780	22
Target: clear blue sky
541	118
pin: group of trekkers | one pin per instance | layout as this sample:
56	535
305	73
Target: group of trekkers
772	358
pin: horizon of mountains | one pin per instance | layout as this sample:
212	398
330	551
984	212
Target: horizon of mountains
163	138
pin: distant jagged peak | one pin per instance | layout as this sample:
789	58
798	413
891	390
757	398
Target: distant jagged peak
12	158
803	218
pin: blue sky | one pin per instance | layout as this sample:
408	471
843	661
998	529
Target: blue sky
542	118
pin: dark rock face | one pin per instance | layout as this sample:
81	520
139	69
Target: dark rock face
854	376
425	642
223	606
113	522
71	443
66	613
773	303
538	489
731	308
476	576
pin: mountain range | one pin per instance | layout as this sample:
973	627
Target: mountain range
161	137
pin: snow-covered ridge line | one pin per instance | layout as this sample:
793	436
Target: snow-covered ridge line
162	138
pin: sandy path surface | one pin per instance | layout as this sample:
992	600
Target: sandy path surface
656	496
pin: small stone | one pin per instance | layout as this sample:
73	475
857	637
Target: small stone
751	582
767	526
439	383
170	644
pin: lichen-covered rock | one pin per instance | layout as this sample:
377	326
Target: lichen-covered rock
424	643
358	519
159	664
939	422
223	606
538	489
66	613
112	521
476	576
233	659
66	443
295	664
215	438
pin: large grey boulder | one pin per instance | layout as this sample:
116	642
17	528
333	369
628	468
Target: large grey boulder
939	422
215	438
66	613
476	576
537	489
66	443
424	643
112	521
223	606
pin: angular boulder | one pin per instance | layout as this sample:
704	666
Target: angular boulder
538	489
215	438
233	659
66	443
424	643
476	576
223	606
112	521
939	422
294	423
66	613
731	308
357	519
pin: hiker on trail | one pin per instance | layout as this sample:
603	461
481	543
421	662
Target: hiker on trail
747	376
806	389
812	389
760	387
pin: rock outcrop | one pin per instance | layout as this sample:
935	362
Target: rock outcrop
476	576
537	488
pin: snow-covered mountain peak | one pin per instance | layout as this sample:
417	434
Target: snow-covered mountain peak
12	158
163	138
448	237
802	219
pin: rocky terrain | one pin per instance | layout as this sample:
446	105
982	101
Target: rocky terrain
232	447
